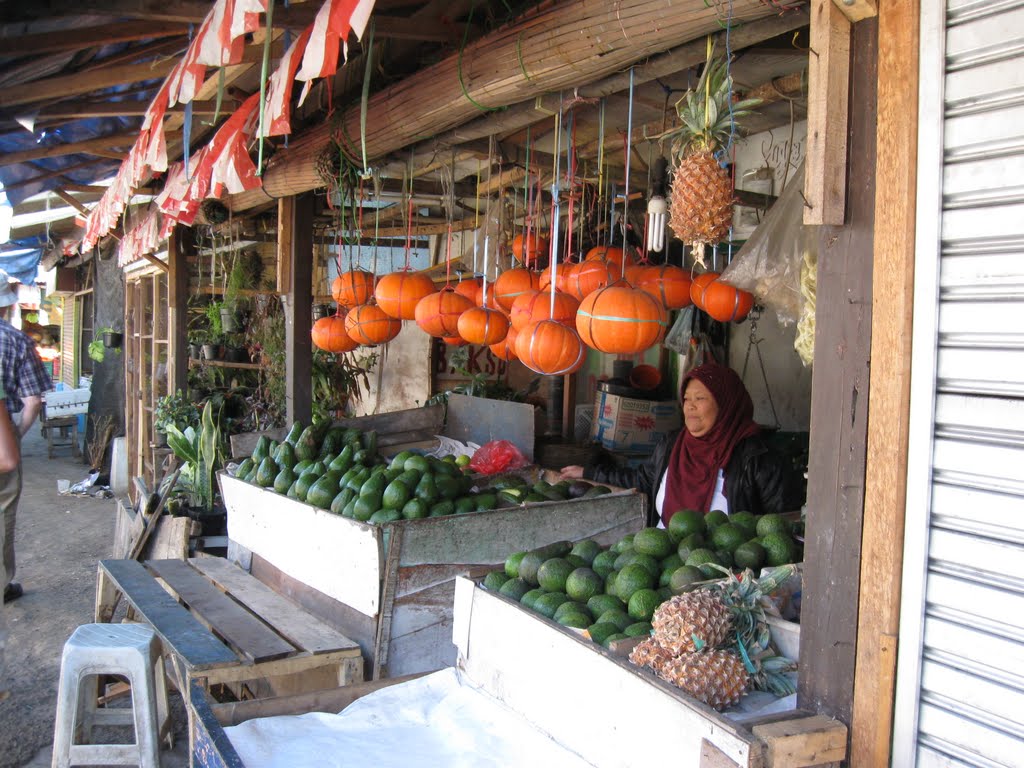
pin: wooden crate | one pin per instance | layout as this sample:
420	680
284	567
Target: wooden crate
390	587
587	699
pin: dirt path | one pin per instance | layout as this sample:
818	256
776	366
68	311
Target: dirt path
59	541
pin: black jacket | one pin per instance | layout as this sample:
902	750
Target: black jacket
756	479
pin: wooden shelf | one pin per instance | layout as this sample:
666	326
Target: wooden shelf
224	364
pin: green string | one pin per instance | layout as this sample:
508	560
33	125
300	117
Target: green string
519	53
263	81
366	97
462	82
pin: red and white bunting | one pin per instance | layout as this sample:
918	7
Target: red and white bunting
334	21
278	110
141	239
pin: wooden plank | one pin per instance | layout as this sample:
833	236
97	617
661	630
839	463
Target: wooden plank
292	622
489	537
712	757
73	85
518	658
838	430
356	625
299	311
251	638
899	29
157	510
180	631
332	554
86	37
387	600
170	541
180	246
285	214
83	108
127	527
857	10
60	150
331	701
71	200
805	742
828	86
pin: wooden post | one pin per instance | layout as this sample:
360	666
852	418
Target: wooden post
839	403
295	265
828	81
180	246
899	27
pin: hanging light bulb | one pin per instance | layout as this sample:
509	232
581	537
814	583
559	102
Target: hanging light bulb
657	207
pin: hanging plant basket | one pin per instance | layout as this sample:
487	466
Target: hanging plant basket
113	339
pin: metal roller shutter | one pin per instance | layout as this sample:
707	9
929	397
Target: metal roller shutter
960	680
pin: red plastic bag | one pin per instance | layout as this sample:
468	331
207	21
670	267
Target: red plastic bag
497	456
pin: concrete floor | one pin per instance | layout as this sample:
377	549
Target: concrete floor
59	540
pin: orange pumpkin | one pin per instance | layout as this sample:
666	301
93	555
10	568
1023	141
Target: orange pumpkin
506	348
512	283
479	325
490	303
438	313
669	284
611	254
329	334
454	341
726	303
399	293
354	287
589	276
536	306
621	320
634	272
370	325
563	273
470	288
699	284
529	249
550	348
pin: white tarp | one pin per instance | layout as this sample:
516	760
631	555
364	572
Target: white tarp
437	720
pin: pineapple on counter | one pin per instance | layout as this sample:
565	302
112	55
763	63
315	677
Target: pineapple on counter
714	642
701	195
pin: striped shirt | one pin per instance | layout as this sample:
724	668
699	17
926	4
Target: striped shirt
22	371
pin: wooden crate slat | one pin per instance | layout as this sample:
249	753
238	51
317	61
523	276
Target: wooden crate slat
297	625
172	622
253	639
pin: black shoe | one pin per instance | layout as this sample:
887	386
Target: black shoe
12	592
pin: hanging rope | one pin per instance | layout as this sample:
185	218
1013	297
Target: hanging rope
264	74
364	100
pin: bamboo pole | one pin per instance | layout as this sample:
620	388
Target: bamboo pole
551	48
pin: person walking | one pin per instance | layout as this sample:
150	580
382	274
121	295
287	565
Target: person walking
24	380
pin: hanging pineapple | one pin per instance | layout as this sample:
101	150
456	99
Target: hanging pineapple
701	196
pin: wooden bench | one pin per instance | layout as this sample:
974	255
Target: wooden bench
220	625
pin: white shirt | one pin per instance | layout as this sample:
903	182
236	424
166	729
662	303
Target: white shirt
718	500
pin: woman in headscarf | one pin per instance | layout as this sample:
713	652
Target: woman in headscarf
718	460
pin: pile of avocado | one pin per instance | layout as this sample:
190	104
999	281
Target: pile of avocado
614	592
339	470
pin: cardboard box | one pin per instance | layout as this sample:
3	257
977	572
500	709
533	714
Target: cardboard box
626	425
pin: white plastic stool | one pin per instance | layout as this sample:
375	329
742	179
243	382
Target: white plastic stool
129	650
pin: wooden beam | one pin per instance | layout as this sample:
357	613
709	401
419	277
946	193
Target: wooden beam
296	226
424	230
152	259
787	87
155	10
827	105
839	418
508	178
71	200
180	245
857	10
60	150
64	86
53	174
899	30
301	15
80	109
87	37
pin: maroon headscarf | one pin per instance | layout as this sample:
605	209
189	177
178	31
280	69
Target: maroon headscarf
694	462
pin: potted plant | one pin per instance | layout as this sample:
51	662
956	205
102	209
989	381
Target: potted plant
201	454
103	339
195	344
174	410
